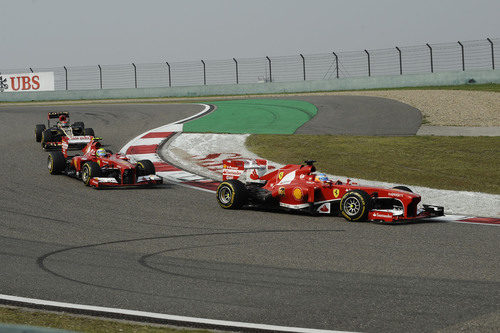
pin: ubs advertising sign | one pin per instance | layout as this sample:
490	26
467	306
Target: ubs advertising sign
23	82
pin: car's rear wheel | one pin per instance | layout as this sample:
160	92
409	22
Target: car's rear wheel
56	163
46	138
145	167
89	131
78	128
403	188
232	194
355	205
89	171
79	124
38	132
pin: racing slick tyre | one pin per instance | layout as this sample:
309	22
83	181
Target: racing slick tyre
46	137
355	205
38	132
56	163
79	124
145	167
78	128
403	188
89	171
232	194
89	131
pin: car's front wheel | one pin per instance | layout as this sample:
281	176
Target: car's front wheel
38	132
89	171
145	167
232	194
355	205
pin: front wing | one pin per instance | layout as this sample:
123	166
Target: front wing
428	211
101	182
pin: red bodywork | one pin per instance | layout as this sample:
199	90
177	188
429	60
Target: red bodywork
117	163
296	187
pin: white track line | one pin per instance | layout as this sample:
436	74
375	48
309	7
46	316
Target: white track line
158	316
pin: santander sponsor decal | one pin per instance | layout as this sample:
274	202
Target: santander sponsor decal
382	215
43	81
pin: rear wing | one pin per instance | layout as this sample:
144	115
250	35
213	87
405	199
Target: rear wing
74	141
52	115
250	169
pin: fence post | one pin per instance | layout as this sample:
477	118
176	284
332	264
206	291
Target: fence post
369	69
463	55
270	73
204	73
31	70
237	79
135	74
303	66
492	54
169	75
100	76
432	61
66	76
336	63
400	62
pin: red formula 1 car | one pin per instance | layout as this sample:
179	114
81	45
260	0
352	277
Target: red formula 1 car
100	168
298	187
51	136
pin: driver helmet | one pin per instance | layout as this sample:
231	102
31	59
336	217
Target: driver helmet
321	177
101	152
63	120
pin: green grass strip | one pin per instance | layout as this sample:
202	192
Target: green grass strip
68	322
453	163
261	116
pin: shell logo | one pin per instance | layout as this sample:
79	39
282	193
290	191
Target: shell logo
280	175
336	192
297	193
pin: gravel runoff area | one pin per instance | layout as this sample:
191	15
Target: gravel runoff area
187	148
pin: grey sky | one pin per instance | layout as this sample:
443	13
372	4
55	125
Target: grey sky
44	33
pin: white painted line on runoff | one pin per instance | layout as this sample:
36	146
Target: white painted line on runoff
160	316
205	109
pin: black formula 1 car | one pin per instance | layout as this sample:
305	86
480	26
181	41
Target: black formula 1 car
51	136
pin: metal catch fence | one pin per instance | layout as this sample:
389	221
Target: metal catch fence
429	58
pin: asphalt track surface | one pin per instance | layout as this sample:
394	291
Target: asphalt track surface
173	250
361	115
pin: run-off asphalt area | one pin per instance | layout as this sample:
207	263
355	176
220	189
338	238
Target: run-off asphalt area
173	250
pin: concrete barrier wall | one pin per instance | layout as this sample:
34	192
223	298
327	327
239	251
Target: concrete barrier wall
396	81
